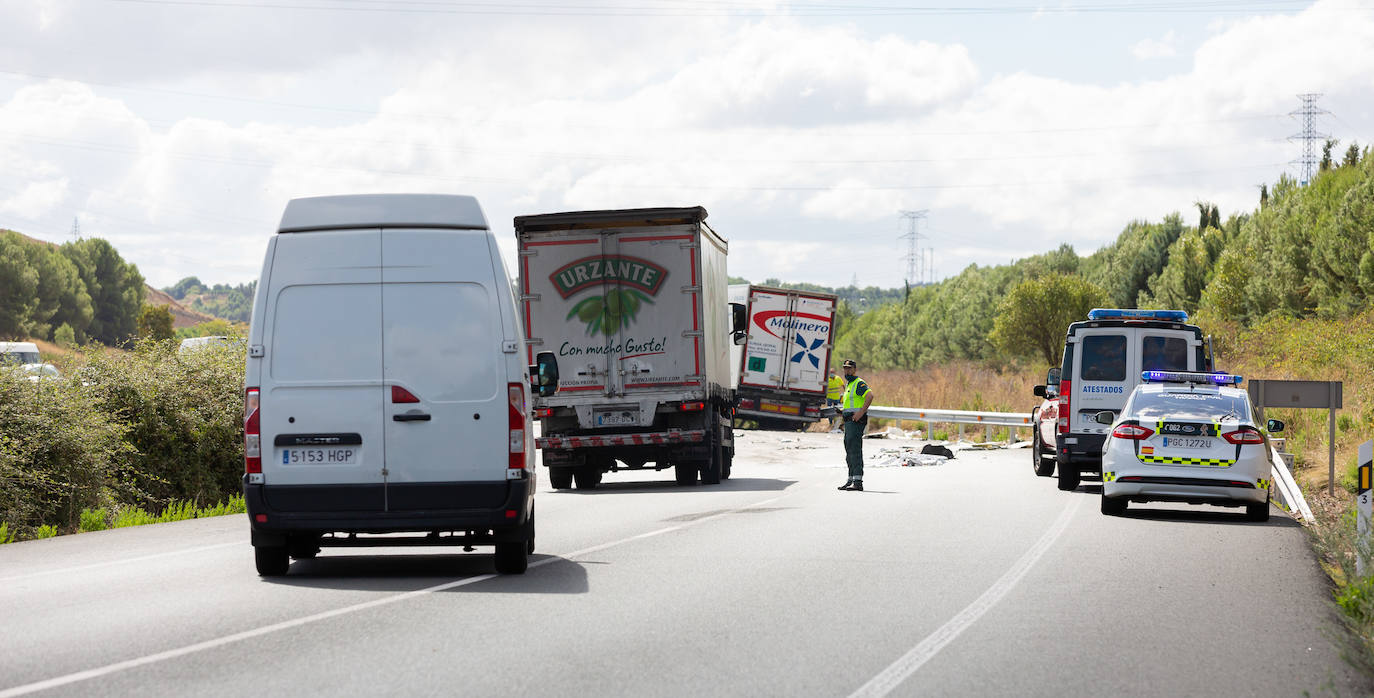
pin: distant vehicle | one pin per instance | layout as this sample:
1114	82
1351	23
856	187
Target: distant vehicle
780	370
634	302
384	388
191	344
1187	437
41	372
1103	359
19	353
1045	425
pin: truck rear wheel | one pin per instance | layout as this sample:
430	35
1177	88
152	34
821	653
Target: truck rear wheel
588	476
685	473
561	478
711	467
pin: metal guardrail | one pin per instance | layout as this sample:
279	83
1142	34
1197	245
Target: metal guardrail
1290	494
960	417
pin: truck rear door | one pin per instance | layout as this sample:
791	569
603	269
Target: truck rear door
788	343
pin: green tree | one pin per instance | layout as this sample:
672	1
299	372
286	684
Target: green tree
115	286
1352	155
1326	154
61	297
155	323
18	287
1033	318
187	285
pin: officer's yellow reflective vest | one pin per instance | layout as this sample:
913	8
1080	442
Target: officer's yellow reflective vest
854	394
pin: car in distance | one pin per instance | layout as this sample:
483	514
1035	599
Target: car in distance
1045	425
191	344
1186	436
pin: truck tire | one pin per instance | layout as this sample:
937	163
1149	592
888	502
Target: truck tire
1069	477
711	467
272	560
587	476
729	461
511	558
685	473
561	478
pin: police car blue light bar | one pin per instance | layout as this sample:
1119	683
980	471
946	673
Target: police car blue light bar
1190	377
1134	314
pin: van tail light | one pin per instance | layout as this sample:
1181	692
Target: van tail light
252	433
1132	432
1065	388
515	468
1244	435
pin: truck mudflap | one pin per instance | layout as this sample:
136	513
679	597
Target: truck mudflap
655	438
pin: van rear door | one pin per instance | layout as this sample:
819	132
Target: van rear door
1103	379
442	339
321	415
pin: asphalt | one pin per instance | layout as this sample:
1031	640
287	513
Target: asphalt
971	577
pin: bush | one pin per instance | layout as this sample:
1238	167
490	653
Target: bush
5	535
59	453
94	520
44	532
65	336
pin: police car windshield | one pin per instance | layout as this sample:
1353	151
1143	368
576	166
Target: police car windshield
1182	402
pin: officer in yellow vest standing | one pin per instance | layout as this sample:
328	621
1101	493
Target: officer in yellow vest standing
834	390
854	406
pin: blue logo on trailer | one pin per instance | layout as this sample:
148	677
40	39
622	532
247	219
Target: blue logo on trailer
806	351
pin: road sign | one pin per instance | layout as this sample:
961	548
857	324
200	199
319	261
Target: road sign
1320	394
1364	506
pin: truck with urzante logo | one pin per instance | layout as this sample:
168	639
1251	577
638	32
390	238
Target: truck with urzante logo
633	304
782	366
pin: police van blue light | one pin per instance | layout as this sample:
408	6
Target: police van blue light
1190	377
1134	314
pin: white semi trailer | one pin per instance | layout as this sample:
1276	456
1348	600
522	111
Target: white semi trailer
782	365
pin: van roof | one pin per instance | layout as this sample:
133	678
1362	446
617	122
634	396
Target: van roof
18	346
620	218
382	211
1146	324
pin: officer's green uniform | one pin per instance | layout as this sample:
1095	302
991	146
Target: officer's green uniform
854	394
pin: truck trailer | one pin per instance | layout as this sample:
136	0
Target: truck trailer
633	303
782	366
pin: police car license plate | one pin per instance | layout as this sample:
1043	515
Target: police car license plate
340	455
1192	442
617	418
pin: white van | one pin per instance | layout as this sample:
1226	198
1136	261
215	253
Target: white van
1103	359
19	353
385	391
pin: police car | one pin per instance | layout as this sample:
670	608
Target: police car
1189	437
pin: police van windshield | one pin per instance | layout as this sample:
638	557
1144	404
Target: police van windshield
1213	407
1104	357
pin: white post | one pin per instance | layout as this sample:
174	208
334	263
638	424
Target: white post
1364	505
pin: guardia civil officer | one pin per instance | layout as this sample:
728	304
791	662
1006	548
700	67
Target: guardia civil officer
854	406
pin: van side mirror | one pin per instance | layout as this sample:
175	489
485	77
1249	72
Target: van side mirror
544	374
739	322
1105	417
1053	377
1039	391
1274	426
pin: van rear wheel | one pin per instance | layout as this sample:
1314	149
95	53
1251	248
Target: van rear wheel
512	558
272	560
1068	477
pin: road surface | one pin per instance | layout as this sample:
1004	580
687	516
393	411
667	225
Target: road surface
972	577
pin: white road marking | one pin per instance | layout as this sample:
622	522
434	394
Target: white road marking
121	561
893	676
108	669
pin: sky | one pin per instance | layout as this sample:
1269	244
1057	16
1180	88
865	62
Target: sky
179	129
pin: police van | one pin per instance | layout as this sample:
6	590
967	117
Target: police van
385	390
1104	357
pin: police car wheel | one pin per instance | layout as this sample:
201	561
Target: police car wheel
1113	506
1257	512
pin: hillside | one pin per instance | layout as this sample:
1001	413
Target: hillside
181	315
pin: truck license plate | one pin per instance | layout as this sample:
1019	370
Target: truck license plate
617	418
319	456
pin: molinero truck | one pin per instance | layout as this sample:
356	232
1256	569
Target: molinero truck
782	365
634	304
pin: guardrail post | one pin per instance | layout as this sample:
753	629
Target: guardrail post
1364	505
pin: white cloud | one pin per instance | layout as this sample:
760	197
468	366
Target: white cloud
1164	47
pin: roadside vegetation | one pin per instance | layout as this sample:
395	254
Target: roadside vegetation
124	437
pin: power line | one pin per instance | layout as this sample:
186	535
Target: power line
913	218
1309	136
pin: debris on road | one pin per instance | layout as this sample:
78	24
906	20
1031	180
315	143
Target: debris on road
906	456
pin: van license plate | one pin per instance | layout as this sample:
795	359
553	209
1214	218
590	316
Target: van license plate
318	456
1186	442
617	418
